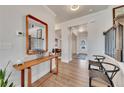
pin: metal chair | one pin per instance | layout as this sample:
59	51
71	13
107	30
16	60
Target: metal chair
99	58
111	72
98	78
95	65
102	76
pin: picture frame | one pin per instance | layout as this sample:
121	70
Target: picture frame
117	11
36	35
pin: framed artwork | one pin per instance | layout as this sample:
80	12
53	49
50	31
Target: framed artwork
117	11
83	44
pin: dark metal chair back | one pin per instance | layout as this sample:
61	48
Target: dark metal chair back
102	72
111	72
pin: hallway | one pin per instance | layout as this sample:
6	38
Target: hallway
39	40
73	74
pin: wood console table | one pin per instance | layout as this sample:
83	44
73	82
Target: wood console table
30	63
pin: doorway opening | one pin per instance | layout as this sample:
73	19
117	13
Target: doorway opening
79	43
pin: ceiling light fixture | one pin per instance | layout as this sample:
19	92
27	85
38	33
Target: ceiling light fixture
74	7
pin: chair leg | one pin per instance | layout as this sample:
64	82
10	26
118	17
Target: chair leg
90	82
89	67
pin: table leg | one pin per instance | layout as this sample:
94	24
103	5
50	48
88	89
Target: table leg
29	77
50	65
22	78
57	64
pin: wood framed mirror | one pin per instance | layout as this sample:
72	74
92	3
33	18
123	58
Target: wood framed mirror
117	11
36	35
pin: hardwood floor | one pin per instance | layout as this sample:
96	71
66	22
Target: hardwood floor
73	74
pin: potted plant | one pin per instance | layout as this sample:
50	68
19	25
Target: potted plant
4	80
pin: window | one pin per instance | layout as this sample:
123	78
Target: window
114	43
110	42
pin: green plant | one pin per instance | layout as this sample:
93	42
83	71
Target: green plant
3	80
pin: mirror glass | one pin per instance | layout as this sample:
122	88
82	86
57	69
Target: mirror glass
36	35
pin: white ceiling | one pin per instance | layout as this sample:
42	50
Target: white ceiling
63	12
82	28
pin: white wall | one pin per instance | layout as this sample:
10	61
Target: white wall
74	44
70	44
66	44
12	47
